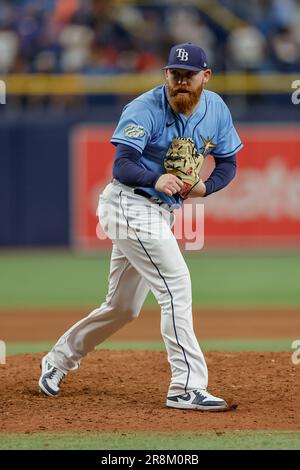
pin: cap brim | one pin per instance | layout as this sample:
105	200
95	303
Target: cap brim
185	67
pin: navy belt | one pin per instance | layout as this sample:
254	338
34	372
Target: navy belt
154	199
140	192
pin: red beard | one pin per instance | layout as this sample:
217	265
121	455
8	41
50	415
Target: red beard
184	103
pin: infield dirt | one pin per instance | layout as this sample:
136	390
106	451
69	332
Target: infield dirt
126	390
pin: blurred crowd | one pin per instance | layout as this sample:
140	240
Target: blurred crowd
111	37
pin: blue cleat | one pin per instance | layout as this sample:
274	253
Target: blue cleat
197	400
50	378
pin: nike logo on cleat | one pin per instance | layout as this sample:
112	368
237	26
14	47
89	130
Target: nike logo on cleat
185	397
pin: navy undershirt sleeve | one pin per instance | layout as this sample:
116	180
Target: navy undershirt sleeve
221	176
128	170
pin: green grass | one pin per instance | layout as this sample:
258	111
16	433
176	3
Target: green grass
152	441
65	279
233	345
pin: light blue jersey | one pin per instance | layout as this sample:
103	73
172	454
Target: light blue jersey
148	124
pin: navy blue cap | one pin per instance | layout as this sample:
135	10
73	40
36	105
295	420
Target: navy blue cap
187	56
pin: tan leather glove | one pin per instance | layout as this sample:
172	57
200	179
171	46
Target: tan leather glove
184	161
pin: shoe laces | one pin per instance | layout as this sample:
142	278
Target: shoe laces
203	394
56	375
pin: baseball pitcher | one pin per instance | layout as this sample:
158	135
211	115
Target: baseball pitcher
161	141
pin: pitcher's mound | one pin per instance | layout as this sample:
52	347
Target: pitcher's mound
126	391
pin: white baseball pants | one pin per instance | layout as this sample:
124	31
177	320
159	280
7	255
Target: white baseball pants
145	256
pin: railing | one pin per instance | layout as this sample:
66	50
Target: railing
134	84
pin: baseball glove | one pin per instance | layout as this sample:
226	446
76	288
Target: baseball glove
184	161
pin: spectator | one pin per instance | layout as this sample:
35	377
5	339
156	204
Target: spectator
9	46
76	43
186	25
285	50
246	49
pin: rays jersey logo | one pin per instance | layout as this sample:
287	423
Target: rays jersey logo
134	132
208	145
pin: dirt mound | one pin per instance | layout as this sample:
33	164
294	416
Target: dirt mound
126	391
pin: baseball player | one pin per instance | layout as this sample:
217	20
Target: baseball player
161	140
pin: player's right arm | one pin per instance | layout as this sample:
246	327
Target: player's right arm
128	170
135	128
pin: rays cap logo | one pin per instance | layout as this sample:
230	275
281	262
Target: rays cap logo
187	56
